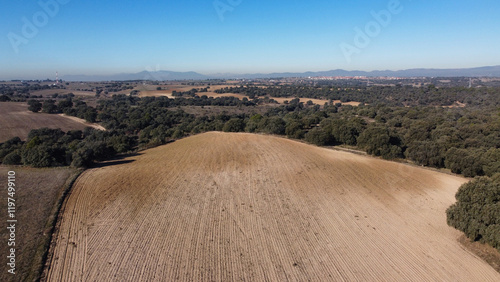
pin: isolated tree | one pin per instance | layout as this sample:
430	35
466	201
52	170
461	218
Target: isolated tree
34	106
49	107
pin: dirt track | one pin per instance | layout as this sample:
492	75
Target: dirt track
17	120
84	122
226	207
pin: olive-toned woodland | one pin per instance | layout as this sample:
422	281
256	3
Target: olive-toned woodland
456	128
477	210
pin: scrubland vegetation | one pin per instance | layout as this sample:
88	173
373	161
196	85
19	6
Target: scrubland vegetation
393	123
477	210
454	128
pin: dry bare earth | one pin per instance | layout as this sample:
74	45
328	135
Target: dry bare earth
225	207
169	89
37	192
17	120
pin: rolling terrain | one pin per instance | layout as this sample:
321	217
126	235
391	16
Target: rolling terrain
280	100
18	121
226	207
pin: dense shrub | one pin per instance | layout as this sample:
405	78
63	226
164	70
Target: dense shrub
47	147
295	130
491	161
38	156
4	98
426	153
49	107
379	142
12	158
272	125
347	131
465	161
34	106
477	210
253	123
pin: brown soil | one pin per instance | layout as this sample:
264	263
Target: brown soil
18	121
484	251
37	194
225	207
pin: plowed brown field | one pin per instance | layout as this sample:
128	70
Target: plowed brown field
17	120
226	207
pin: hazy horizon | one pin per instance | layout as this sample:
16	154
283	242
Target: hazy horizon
211	37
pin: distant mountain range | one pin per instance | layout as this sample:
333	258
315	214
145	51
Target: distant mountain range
143	75
491	71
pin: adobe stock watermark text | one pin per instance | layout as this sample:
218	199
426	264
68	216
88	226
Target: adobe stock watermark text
32	25
11	221
363	36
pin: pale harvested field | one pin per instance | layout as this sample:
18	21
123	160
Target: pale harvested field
215	95
229	207
169	88
150	90
17	120
352	103
156	93
167	93
282	100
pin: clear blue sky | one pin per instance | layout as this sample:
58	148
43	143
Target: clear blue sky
108	36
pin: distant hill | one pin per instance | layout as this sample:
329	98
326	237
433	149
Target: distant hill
491	71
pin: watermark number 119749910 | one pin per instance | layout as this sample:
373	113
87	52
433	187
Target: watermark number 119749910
11	221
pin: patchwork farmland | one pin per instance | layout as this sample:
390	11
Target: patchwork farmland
17	121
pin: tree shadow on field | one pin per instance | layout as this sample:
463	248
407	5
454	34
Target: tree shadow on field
117	160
